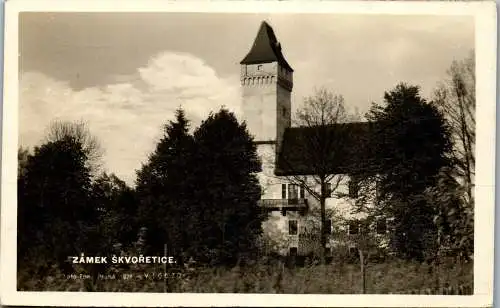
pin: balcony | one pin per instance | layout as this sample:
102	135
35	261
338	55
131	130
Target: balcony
284	204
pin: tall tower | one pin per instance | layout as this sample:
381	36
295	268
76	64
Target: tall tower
267	82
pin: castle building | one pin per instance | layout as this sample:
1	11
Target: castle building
291	227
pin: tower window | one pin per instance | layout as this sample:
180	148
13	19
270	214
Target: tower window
284	111
259	67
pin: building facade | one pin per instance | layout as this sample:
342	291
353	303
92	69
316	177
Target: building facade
293	223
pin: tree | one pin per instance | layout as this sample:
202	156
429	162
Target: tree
454	218
59	130
323	135
117	208
410	143
227	190
455	97
55	215
22	159
164	189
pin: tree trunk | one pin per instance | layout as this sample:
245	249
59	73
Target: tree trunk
466	142
323	221
363	271
437	261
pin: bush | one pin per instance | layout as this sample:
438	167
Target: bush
269	276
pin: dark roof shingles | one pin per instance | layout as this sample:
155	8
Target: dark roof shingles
334	149
266	48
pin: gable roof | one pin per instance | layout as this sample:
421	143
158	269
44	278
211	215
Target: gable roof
266	48
341	148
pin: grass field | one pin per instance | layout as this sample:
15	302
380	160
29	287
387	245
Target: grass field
394	276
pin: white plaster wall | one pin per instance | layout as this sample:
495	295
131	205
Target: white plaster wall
283	112
276	227
271	184
259	100
267	112
276	230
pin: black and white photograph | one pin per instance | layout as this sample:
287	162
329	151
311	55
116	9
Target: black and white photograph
324	151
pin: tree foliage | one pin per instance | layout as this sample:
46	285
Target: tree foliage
227	187
164	188
454	218
117	207
55	215
199	193
22	159
456	98
454	194
59	130
411	142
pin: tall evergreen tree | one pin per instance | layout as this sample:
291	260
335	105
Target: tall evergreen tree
228	190
164	189
411	143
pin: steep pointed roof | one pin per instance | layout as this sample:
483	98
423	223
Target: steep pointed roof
266	48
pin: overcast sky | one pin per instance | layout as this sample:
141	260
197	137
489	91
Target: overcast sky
125	74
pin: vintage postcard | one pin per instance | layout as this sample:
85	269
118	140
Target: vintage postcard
248	153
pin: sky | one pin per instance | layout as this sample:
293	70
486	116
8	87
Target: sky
124	74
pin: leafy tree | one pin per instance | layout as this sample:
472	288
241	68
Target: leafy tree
117	208
410	145
164	189
22	158
227	190
58	130
55	215
454	218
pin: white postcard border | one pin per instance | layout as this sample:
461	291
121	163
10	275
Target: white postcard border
485	36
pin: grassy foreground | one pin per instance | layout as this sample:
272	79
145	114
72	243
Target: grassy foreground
394	276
